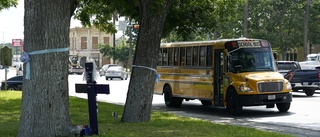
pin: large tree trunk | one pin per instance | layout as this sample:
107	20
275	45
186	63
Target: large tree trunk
140	93
306	30
45	97
245	19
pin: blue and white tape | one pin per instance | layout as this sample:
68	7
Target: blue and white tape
25	57
157	75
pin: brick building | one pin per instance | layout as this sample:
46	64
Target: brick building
83	42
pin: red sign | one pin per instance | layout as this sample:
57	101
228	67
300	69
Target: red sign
16	42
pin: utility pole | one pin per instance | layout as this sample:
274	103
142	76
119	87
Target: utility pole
2	38
89	44
114	37
130	44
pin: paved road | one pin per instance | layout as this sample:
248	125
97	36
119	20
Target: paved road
301	120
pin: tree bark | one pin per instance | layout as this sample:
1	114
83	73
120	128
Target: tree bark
245	19
45	97
305	32
140	93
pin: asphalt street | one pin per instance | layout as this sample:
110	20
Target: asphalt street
300	121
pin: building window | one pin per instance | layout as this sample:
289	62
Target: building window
94	42
105	40
83	42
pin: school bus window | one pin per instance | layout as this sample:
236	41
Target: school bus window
182	56
170	52
209	56
165	57
176	56
160	57
202	55
195	56
189	54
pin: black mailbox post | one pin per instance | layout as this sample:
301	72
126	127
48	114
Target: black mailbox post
92	89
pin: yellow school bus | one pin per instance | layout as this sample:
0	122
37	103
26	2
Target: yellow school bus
230	73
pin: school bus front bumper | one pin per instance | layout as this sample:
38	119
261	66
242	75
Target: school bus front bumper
262	99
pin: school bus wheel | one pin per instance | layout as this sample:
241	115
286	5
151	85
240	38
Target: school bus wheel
233	105
169	99
283	107
206	102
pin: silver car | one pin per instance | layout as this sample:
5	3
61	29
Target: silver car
116	72
104	68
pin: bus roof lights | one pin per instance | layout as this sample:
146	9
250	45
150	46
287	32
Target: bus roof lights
232	45
249	44
265	44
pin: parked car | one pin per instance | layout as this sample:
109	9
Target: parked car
13	83
116	72
104	68
285	66
312	62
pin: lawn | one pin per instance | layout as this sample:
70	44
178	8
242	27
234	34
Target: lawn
162	124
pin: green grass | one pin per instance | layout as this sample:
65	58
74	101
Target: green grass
162	124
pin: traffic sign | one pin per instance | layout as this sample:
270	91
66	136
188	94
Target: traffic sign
16	42
122	25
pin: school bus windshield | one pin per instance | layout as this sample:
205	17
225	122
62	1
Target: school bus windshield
251	60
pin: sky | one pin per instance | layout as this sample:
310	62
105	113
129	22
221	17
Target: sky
11	23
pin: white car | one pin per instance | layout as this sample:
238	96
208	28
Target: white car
116	72
104	68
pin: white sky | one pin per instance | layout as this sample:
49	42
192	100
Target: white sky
11	23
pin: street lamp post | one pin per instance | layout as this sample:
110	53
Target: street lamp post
6	69
2	38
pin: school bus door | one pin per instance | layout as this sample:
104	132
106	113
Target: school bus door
218	77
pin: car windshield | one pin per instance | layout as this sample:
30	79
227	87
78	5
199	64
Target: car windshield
105	67
115	69
287	66
252	60
312	58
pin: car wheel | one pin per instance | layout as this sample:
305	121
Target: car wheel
309	92
107	78
11	88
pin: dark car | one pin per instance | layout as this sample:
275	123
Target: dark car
14	83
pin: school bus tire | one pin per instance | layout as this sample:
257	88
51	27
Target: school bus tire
283	107
206	102
169	100
233	105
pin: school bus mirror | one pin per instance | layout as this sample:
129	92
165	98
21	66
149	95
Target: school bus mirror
275	55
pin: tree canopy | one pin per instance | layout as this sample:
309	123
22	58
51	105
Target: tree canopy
5	4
